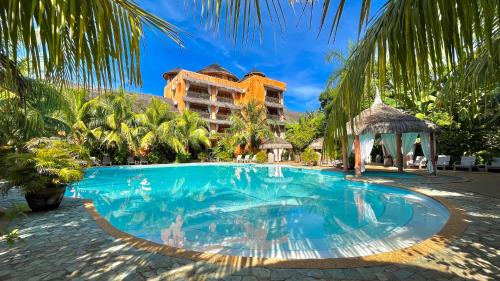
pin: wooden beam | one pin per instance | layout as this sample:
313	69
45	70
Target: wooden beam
433	154
399	144
357	150
345	161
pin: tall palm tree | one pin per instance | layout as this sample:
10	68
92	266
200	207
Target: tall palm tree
190	131
250	126
156	125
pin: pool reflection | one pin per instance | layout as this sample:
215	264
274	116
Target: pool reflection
254	210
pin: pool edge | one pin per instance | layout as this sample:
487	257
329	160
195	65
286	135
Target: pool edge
453	228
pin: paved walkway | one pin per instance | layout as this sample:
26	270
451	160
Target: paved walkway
68	244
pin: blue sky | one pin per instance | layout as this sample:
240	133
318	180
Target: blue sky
295	56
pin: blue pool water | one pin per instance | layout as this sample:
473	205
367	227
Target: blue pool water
258	210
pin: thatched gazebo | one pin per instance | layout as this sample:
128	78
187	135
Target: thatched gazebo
398	131
277	145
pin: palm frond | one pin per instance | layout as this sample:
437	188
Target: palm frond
90	42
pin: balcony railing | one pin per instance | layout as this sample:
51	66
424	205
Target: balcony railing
222	116
225	99
274	117
273	99
203	114
198	95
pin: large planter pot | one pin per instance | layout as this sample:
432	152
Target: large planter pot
46	199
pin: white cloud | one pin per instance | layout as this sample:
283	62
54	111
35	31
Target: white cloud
240	67
303	92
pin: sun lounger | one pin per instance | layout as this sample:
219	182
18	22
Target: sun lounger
246	159
466	162
143	160
443	161
493	165
130	160
419	162
239	159
254	158
106	161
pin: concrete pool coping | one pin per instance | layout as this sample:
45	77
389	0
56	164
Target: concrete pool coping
453	228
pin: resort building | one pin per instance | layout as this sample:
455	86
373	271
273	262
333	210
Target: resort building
215	93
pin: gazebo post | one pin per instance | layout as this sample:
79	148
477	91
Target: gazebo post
357	150
399	144
433	153
345	161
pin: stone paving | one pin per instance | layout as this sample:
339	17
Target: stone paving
68	244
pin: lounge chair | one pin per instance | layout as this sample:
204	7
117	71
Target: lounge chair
419	162
466	162
254	158
443	161
239	159
130	160
494	164
106	161
246	159
94	161
143	160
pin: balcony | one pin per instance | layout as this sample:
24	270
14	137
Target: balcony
198	95
275	117
223	116
273	99
203	114
225	99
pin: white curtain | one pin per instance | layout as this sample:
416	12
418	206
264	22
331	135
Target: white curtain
350	142
425	141
390	145
366	145
408	143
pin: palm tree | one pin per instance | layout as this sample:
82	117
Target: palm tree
250	126
156	125
190	132
83	41
116	124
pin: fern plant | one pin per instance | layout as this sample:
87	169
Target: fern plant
46	163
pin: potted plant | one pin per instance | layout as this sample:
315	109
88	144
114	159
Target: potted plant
42	171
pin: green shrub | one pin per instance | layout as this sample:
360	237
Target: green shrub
261	157
182	157
309	156
154	157
225	156
44	164
202	156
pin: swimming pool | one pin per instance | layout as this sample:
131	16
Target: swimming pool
258	210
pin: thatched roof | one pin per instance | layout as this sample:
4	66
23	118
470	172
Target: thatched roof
172	72
383	119
217	70
317	144
276	143
254	72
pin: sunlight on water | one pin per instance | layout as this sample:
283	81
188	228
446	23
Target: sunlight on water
257	210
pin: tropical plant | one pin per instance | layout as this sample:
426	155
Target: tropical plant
309	156
32	116
190	132
156	126
309	127
117	128
95	41
261	157
46	163
250	126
